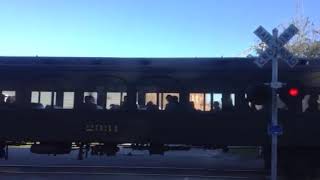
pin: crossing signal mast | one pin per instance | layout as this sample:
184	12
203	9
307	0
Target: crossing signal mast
274	52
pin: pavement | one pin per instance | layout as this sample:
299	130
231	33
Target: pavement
133	164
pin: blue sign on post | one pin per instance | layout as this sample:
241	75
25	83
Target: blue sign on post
275	130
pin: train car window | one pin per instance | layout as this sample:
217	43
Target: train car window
201	101
305	102
123	94
309	104
233	98
198	100
35	97
207	106
68	100
217	99
115	99
258	107
9	96
151	97
45	98
9	93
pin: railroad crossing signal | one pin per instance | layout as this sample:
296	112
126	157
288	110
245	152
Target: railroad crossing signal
275	47
274	52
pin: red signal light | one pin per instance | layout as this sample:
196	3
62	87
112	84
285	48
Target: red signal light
293	92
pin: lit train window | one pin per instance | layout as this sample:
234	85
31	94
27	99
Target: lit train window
207	106
202	101
114	99
233	97
68	100
217	98
306	101
35	97
10	94
151	97
198	100
93	94
46	98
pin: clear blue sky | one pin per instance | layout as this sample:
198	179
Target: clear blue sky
140	28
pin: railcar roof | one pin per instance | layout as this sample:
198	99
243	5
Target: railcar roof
236	62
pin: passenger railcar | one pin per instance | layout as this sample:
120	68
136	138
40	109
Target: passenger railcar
61	83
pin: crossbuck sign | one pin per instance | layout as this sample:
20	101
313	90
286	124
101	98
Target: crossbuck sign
274	52
275	46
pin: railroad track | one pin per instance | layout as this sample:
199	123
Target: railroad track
133	171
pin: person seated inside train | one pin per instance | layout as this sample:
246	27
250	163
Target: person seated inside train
190	106
125	104
227	104
313	105
173	104
7	101
216	106
89	103
151	107
11	101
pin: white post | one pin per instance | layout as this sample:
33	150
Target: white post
274	113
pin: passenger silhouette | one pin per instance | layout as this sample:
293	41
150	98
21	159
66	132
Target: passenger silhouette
89	103
89	99
151	107
176	102
124	105
227	105
216	106
313	104
175	99
190	106
11	99
172	104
